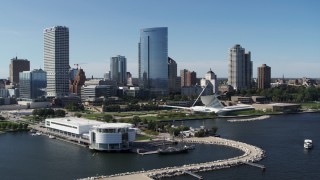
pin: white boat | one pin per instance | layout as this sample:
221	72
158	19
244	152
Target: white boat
307	144
38	133
52	137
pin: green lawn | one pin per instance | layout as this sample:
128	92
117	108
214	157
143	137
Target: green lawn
142	137
310	105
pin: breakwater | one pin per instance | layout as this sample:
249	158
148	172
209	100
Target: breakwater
251	154
250	119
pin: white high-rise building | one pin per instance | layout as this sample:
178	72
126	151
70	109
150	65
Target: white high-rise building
56	60
210	82
239	68
118	69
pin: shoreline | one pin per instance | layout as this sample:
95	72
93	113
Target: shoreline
251	154
263	117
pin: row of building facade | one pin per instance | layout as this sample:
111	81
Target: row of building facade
157	72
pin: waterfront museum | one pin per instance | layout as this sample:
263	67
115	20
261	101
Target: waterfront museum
100	135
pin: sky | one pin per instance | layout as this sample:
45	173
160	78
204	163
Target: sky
284	34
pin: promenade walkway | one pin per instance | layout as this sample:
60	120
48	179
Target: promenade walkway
251	154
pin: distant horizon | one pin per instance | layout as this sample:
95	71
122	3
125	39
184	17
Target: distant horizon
272	31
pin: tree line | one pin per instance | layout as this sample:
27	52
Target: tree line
295	94
40	114
131	107
13	126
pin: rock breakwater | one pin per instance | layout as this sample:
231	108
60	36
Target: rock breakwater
251	154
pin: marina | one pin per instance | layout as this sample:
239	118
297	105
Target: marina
285	154
251	154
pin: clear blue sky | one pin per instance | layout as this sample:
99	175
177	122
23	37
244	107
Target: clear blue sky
282	34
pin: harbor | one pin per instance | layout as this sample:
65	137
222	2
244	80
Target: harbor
251	154
269	135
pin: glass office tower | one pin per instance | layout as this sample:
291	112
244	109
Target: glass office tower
153	60
33	84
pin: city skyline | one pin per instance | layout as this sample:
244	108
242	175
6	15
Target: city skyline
281	34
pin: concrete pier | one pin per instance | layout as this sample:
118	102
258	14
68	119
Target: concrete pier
148	152
193	174
251	154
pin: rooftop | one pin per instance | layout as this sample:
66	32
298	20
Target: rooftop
75	121
114	125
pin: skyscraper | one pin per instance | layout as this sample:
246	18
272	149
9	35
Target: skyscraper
153	60
172	75
239	68
32	83
188	78
118	69
17	66
56	60
264	77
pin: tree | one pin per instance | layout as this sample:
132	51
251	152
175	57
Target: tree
79	115
60	113
136	120
201	133
107	117
214	129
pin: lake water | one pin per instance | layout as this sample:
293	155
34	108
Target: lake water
37	157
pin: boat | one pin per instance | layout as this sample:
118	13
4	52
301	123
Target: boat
33	134
190	147
52	137
172	150
38	133
307	144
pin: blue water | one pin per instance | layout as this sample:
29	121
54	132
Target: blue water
282	138
23	156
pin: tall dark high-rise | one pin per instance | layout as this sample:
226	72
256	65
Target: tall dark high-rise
17	66
172	75
56	60
239	68
118	69
264	77
153	60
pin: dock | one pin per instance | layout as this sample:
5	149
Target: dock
148	152
193	174
256	165
73	140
